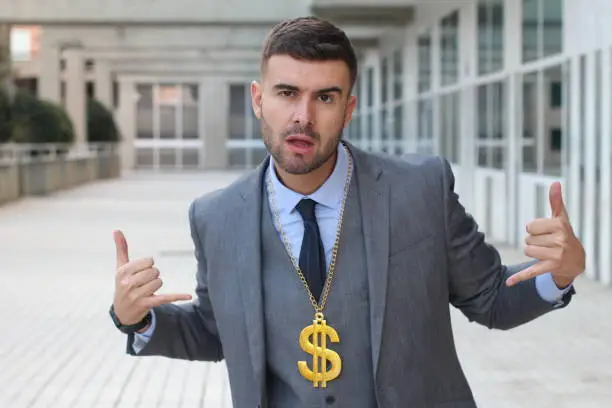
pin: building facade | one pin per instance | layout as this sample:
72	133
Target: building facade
514	93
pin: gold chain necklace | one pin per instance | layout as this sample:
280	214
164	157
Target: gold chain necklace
318	330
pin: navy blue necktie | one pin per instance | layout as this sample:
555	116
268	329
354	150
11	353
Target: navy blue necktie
312	254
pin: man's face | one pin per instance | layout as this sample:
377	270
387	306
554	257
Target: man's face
303	107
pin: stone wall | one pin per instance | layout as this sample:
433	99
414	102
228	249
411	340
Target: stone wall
45	176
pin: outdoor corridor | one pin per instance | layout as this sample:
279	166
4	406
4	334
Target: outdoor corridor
59	348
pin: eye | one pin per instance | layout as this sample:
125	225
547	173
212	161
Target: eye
286	93
326	98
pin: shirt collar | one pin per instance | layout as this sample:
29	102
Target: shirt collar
330	194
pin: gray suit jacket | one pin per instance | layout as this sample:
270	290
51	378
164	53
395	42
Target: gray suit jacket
423	252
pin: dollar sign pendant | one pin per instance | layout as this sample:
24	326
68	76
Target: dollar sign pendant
321	355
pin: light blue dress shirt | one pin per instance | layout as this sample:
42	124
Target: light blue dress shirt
329	203
329	198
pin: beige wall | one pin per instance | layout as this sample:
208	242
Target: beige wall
166	11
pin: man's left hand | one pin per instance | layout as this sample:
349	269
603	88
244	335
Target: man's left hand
552	241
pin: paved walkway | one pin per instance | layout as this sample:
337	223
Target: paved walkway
59	349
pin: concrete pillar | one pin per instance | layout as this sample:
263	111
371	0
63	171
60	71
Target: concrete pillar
605	185
215	101
49	77
468	42
126	121
513	33
104	83
6	74
76	102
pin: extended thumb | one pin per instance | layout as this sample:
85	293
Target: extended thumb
121	247
556	200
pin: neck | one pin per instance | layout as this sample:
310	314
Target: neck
308	183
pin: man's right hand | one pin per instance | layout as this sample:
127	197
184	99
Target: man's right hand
135	285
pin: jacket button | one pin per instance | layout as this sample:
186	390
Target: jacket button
330	399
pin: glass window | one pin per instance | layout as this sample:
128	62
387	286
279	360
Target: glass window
383	124
190	111
145	157
144	112
398	121
449	49
530	30
370	86
551	144
255	126
190	158
357	93
167	122
384	79
449	131
498	111
544	121
394	129
542	28
245	138
168	98
369	136
424	62
258	154
398	74
237	111
356	128
530	122
556	96
555	139
552	27
490	36
167	157
425	126
391	122
237	157
492	125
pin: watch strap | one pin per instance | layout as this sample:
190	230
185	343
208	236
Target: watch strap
131	328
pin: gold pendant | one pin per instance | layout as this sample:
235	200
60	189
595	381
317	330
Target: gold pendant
321	355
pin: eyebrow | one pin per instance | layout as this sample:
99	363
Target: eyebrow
330	89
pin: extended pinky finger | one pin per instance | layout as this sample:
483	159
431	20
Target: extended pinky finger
158	300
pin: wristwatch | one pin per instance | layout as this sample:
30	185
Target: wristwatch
132	328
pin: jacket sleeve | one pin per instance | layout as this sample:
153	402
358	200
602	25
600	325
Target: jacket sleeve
477	276
186	331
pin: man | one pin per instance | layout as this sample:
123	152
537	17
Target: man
324	276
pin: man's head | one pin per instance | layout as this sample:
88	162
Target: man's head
304	100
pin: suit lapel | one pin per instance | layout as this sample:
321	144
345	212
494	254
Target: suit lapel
374	198
248	254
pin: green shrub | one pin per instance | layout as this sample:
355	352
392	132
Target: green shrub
101	125
37	121
66	129
32	120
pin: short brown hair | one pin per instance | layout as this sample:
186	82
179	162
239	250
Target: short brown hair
311	39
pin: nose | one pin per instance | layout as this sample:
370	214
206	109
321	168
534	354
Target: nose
303	114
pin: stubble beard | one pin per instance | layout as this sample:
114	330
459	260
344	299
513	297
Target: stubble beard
296	164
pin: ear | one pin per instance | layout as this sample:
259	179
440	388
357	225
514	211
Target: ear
350	108
256	98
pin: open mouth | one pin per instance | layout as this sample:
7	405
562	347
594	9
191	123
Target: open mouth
300	144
